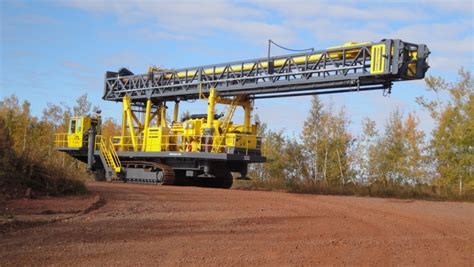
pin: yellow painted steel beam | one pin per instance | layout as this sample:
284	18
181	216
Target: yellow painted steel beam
124	126
163	115
146	124
247	116
129	114
211	102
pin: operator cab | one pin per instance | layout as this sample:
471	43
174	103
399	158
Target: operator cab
78	130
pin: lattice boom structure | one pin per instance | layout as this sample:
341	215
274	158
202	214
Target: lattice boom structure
360	66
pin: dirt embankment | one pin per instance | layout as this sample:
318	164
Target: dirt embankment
18	214
145	224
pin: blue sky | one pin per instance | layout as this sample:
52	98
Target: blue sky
55	51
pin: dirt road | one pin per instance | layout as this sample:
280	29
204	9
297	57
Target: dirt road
145	224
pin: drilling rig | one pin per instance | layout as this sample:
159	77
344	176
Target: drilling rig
204	149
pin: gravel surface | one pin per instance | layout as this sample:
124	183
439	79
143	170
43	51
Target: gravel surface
163	225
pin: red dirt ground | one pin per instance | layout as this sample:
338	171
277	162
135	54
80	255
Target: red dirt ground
162	225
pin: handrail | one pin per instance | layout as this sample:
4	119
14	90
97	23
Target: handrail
109	153
60	140
170	142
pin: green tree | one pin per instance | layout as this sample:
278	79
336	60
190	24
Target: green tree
399	155
363	153
311	134
415	150
274	150
258	170
326	143
452	145
296	169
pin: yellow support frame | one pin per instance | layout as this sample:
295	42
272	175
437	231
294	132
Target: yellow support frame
146	124
142	135
127	111
176	111
211	104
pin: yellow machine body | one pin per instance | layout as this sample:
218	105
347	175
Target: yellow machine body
158	139
77	127
145	128
168	148
153	133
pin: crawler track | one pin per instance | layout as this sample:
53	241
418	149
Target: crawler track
169	176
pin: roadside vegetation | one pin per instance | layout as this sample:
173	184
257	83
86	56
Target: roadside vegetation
29	166
399	161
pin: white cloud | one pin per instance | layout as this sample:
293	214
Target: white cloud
341	11
288	21
181	20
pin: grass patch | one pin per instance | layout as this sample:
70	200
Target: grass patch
426	192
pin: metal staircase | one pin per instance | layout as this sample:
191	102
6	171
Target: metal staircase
109	158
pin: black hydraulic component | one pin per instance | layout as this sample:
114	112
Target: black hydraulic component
201	116
124	72
91	147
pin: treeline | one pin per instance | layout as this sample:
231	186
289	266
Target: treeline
28	162
401	160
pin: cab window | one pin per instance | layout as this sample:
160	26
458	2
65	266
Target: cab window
72	126
79	126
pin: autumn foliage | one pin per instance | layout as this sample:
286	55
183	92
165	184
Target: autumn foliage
28	162
399	161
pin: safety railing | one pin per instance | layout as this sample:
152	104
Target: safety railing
183	143
108	152
60	140
174	142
